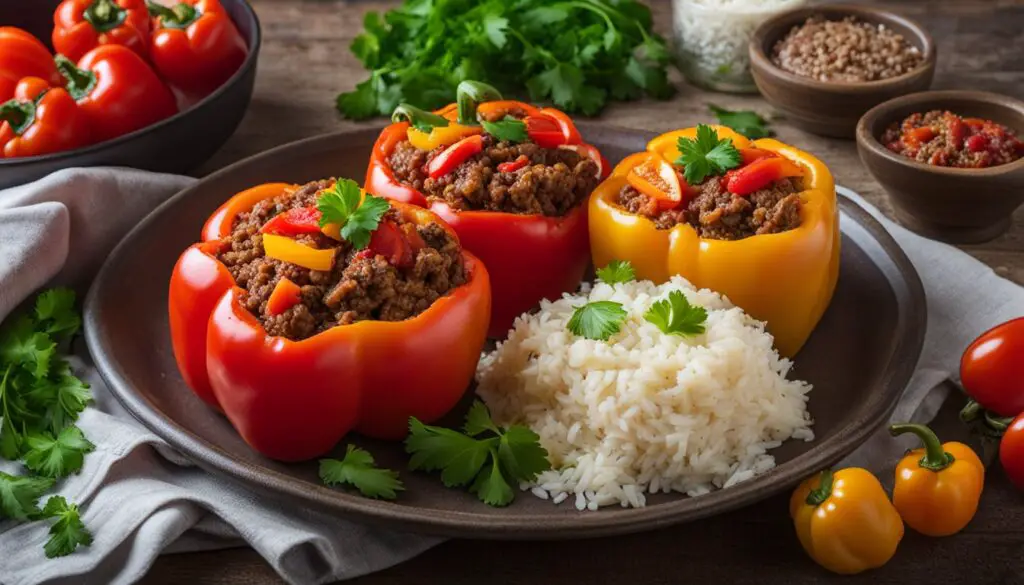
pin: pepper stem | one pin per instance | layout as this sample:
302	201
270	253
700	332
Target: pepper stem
471	94
420	119
935	457
20	115
79	81
181	16
817	497
104	15
971	412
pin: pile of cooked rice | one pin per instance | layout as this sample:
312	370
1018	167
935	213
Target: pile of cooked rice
645	412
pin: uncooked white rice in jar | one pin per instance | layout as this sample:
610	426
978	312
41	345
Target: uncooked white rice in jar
645	412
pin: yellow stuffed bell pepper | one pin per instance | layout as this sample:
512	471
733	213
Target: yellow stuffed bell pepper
786	279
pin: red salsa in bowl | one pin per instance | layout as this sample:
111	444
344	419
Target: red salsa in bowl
944	139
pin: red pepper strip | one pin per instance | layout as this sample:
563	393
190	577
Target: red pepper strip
759	174
454	155
545	131
40	120
286	294
82	25
388	241
21	56
569	132
295	221
515	165
751	154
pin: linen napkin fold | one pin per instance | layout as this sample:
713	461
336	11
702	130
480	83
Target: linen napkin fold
140	498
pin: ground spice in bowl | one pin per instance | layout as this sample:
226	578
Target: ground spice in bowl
846	51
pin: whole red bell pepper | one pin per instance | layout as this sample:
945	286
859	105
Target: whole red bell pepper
21	56
117	90
294	400
40	120
80	26
528	257
195	46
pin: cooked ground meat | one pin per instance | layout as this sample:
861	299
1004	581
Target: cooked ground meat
361	285
719	215
947	140
555	181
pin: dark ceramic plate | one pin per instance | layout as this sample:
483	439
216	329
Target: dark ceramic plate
175	145
858	367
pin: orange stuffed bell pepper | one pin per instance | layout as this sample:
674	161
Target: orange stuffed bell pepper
754	220
510	178
297	354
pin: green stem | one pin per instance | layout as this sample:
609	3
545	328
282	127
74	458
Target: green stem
971	412
181	16
935	458
79	81
817	497
471	94
104	15
420	119
20	115
998	424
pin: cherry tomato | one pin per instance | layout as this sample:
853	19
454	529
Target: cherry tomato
992	369
1011	452
454	155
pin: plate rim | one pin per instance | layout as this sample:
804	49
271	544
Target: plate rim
911	327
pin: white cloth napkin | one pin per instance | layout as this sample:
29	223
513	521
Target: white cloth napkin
141	499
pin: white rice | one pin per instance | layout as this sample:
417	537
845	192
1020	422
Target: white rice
645	412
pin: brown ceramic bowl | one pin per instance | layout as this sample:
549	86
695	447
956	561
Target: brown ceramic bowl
960	206
830	108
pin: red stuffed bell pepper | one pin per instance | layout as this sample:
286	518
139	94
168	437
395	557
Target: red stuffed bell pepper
510	178
80	26
40	120
296	371
21	56
118	92
195	46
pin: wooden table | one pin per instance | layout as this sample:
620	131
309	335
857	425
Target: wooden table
305	62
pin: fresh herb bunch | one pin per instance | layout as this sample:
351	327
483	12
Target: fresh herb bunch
577	54
40	400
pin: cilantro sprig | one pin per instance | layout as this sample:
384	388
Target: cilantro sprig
358	469
676	316
706	155
485	457
509	129
358	216
68	532
617	271
746	122
597	320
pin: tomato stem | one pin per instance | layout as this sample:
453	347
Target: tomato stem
935	457
818	496
20	115
419	119
181	16
971	412
469	95
79	81
104	15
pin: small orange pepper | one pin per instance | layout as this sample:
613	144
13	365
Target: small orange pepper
937	488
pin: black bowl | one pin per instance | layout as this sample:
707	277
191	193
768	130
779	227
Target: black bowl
175	145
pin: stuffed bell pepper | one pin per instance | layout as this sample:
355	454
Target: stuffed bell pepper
511	179
754	220
309	312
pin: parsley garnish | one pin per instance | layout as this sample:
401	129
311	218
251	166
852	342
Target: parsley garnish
58	456
357	469
485	457
617	271
509	129
68	532
676	316
746	122
597	320
19	495
358	216
706	155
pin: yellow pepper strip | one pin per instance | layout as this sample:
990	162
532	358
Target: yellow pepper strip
785	279
440	136
845	521
286	249
937	488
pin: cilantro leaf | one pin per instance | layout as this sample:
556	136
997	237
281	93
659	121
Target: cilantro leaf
358	470
60	398
617	271
706	155
478	420
509	129
491	487
746	122
22	345
56	457
55	312
521	454
597	320
19	495
495	27
676	316
358	216
436	448
68	532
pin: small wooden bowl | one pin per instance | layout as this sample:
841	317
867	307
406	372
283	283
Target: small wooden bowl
833	108
962	206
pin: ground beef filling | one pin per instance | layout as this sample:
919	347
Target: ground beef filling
361	286
717	214
555	181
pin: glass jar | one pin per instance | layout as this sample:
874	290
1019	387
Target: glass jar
712	39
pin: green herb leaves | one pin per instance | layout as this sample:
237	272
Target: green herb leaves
418	53
485	457
597	320
509	129
676	316
358	217
68	532
19	496
358	470
58	456
706	155
746	122
617	271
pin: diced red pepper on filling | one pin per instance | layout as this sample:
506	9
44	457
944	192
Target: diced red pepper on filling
759	174
286	294
393	243
450	158
295	221
514	165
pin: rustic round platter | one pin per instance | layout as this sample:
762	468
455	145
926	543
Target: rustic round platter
859	359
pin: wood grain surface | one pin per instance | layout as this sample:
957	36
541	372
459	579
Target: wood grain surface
305	62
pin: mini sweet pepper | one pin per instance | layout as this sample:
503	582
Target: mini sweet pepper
786	279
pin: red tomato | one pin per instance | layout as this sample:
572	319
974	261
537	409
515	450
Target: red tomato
1011	452
759	174
992	369
299	220
388	241
454	155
